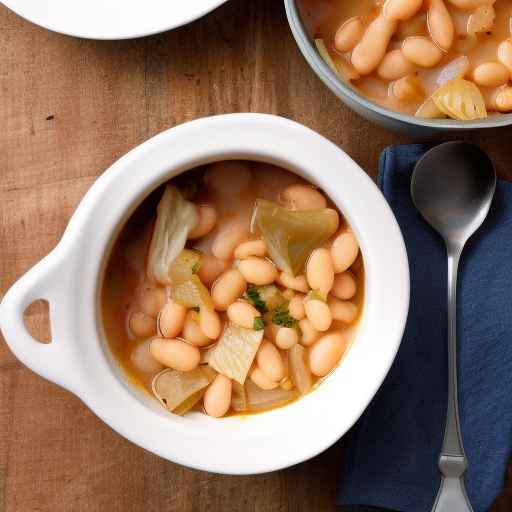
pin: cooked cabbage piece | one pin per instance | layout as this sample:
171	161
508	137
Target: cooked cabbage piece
192	294
299	370
180	391
258	399
190	402
460	99
238	397
428	110
481	20
291	236
235	351
185	265
337	63
407	89
457	68
175	218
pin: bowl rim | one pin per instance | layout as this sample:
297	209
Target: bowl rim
81	18
343	91
80	360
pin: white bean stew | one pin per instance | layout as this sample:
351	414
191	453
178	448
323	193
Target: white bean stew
234	288
428	58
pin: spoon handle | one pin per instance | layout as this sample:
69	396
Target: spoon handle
452	443
452	496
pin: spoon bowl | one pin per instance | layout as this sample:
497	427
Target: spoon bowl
452	187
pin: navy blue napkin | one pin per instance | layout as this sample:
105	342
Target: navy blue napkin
391	458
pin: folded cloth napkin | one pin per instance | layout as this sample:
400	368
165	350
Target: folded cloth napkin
392	453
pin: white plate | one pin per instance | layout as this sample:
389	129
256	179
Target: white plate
111	19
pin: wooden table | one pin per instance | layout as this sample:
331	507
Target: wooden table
68	109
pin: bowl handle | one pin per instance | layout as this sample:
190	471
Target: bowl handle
52	360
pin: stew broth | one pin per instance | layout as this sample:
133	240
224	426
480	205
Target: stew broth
133	304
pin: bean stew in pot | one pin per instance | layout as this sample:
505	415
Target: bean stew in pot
234	288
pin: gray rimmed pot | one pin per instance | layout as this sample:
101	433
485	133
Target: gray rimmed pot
413	126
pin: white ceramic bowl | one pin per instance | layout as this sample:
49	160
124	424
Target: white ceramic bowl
70	278
111	19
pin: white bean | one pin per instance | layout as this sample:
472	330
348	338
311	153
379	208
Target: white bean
401	10
175	354
141	324
309	333
211	268
286	337
207	221
269	361
320	271
217	398
297	283
490	94
503	100
259	271
231	234
394	65
243	314
210	323
491	74
251	248
319	314
505	53
192	332
171	319
344	251
344	286
407	89
420	50
440	24
261	380
302	197
296	307
152	300
227	288
348	34
342	310
368	53
326	353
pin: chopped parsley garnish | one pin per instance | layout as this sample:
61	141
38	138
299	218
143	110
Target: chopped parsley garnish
255	299
281	316
195	267
195	308
259	324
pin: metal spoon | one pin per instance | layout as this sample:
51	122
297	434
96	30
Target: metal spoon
452	187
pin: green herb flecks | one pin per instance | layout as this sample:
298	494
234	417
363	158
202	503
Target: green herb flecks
281	316
259	324
253	295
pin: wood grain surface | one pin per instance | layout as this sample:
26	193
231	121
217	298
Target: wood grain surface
68	109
